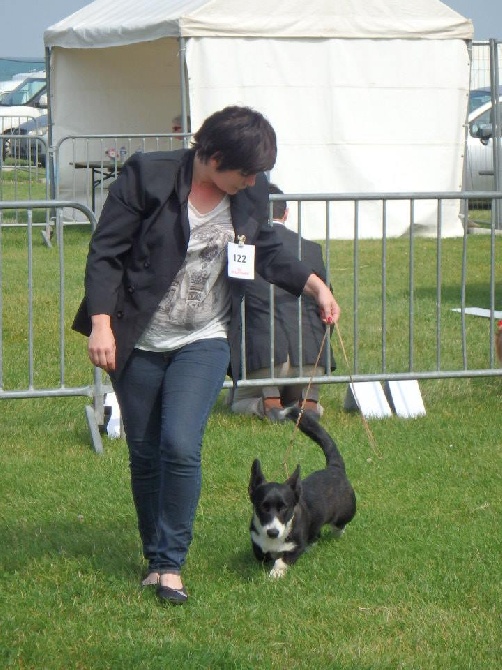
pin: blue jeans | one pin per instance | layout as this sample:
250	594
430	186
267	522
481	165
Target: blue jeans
165	400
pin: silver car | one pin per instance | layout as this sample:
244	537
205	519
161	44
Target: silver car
26	102
480	96
29	141
479	154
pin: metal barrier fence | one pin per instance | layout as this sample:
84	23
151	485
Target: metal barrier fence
408	324
434	341
23	169
85	166
483	155
35	361
480	64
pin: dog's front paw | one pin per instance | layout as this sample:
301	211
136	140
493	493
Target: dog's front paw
338	532
279	569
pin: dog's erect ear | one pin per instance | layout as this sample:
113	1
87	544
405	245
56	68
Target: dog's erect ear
295	483
257	477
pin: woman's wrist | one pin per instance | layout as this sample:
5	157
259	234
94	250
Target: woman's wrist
100	321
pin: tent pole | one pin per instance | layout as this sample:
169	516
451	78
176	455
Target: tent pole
496	124
183	85
464	204
49	158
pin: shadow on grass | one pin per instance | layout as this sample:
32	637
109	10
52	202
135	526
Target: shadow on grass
109	550
247	568
476	295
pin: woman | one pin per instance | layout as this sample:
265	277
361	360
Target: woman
163	316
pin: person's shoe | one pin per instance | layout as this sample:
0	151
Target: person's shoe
313	407
174	596
152	579
273	410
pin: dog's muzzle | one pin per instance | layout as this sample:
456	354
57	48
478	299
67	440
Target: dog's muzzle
272	532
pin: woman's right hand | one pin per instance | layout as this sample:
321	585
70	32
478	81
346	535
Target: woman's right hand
101	344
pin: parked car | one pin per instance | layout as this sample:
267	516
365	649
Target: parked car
479	153
32	145
25	102
479	97
10	84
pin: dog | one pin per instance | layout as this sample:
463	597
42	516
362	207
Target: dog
288	517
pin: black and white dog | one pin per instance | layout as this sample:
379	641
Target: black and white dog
288	517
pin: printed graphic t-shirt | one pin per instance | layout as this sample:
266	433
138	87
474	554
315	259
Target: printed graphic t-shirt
197	305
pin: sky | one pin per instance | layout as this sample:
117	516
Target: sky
31	17
485	14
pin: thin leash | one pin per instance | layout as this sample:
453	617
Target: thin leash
371	437
302	407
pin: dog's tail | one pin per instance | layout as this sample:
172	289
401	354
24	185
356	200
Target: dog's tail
310	426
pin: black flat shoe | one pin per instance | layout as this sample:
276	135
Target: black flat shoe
173	596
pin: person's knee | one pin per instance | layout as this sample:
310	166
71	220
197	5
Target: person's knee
181	448
144	462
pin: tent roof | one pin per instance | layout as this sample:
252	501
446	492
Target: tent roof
106	23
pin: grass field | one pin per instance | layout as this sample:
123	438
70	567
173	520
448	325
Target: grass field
415	581
23	182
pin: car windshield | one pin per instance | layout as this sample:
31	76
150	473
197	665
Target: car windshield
478	98
24	93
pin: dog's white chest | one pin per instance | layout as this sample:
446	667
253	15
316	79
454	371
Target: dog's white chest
272	545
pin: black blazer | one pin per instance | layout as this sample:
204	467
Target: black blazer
141	240
286	313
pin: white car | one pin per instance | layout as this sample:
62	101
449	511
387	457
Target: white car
24	103
479	154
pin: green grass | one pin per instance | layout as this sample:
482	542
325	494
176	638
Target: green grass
415	581
420	328
480	213
23	182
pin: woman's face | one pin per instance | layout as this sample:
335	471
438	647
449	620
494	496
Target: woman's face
230	181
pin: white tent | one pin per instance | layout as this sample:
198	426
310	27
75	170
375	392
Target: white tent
365	95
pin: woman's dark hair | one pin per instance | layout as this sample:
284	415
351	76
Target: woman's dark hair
239	138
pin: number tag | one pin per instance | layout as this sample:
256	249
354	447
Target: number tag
240	260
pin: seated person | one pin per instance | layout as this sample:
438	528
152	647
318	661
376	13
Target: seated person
265	401
177	124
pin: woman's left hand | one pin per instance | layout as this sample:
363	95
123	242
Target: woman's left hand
328	307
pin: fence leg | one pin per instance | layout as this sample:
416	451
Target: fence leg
95	413
97	443
47	235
